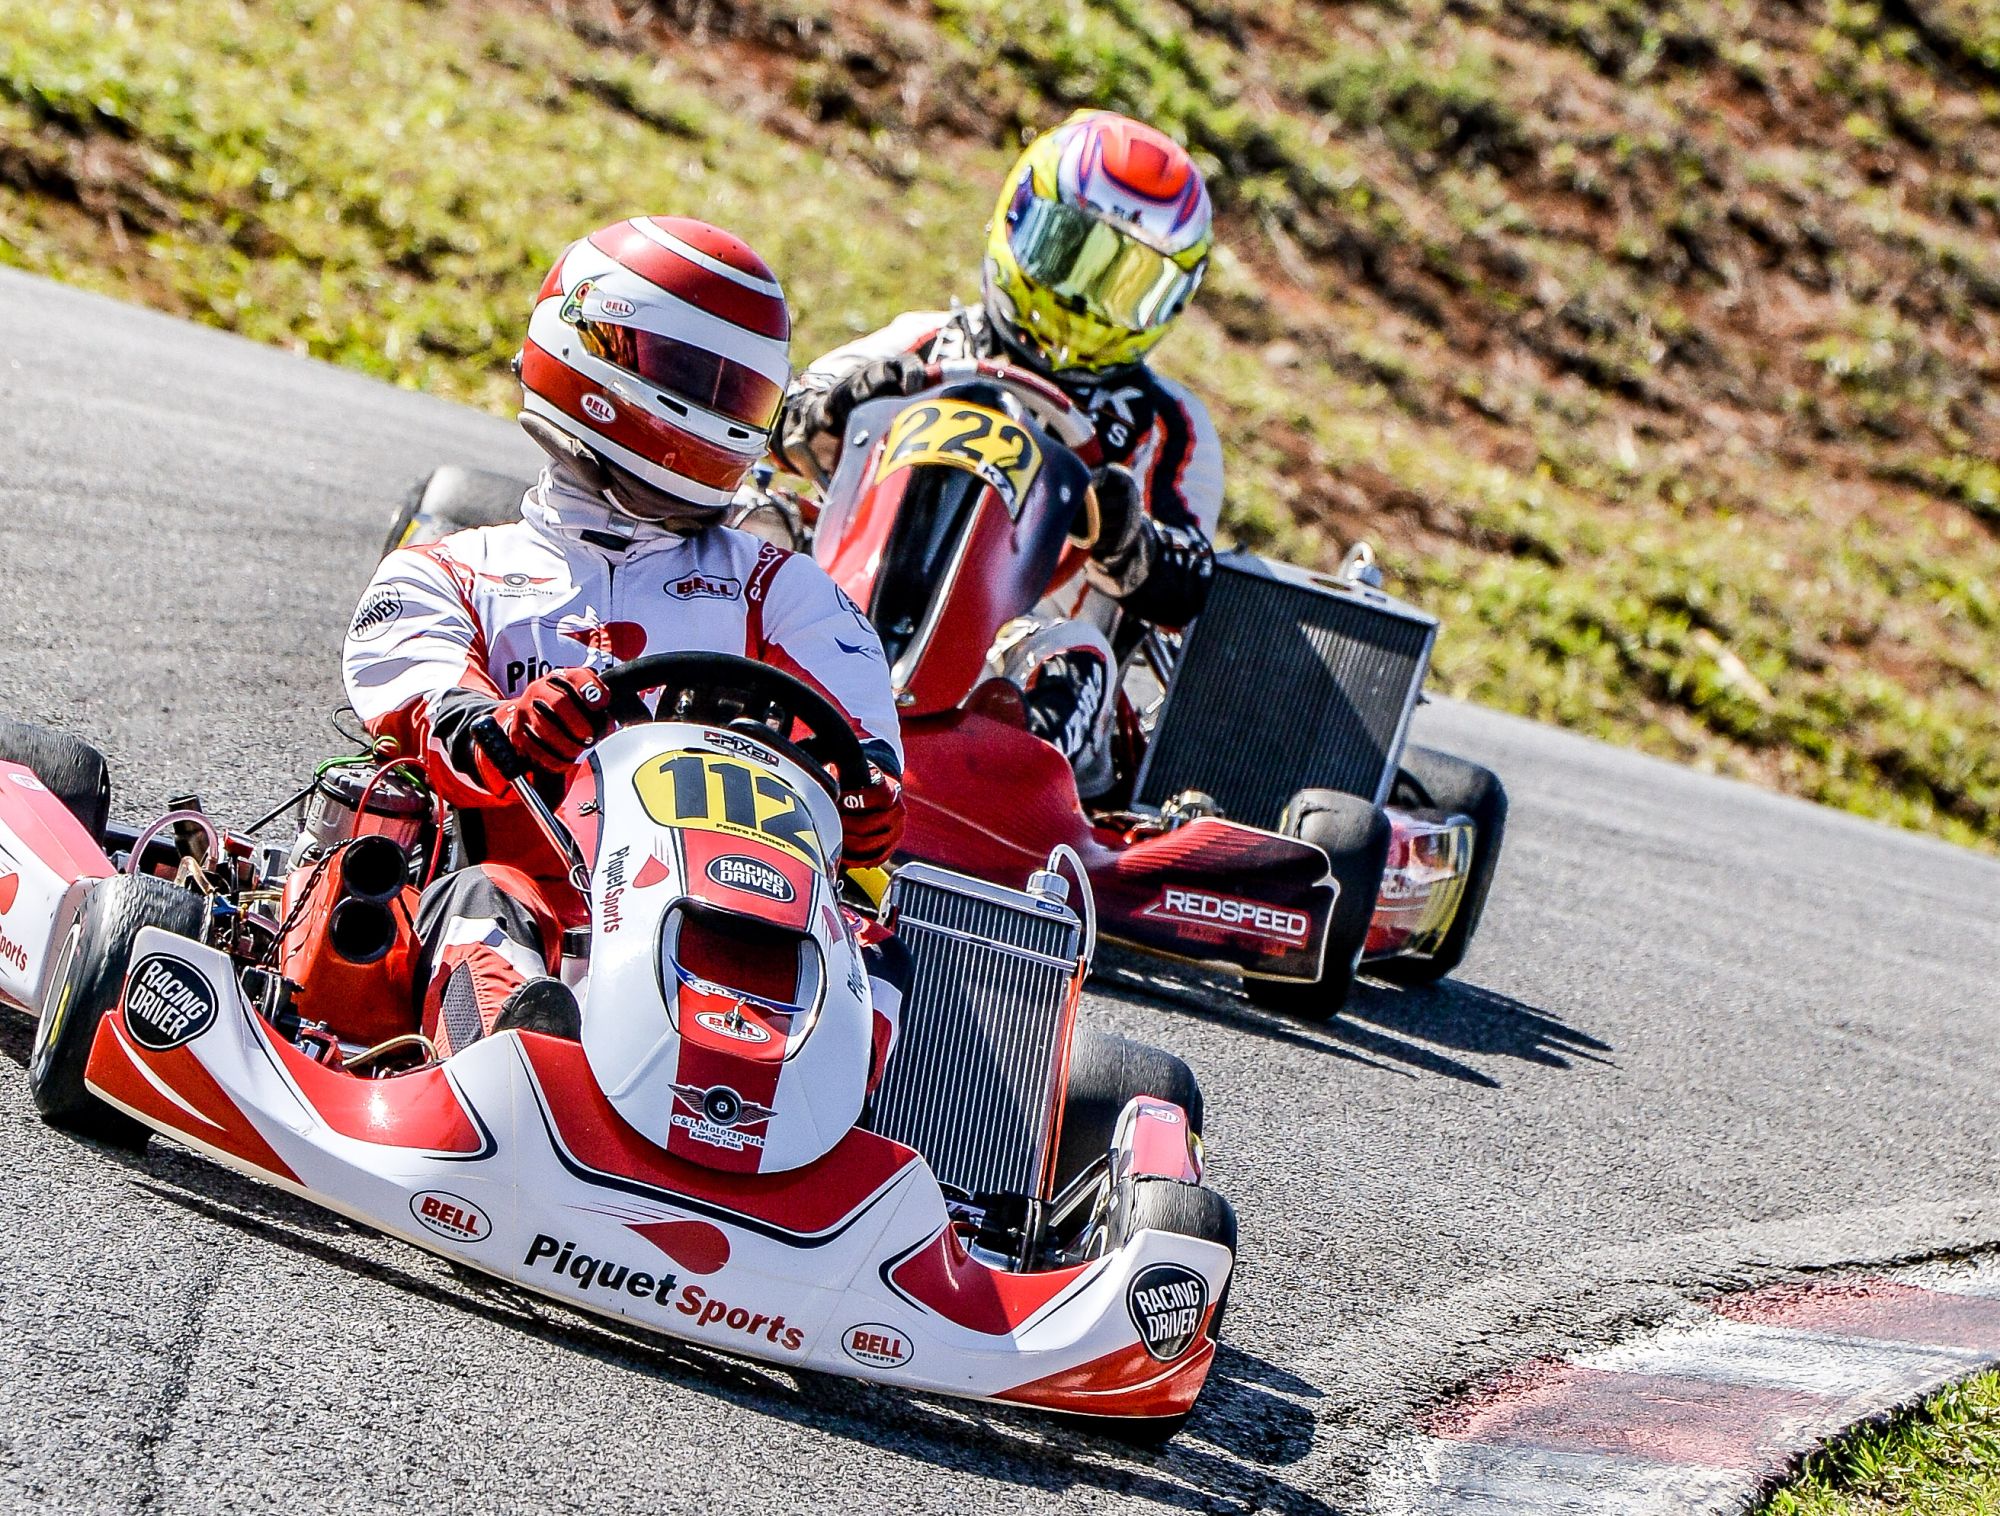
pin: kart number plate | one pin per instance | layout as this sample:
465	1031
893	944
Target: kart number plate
969	437
706	793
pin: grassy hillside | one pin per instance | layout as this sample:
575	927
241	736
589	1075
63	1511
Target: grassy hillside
1653	342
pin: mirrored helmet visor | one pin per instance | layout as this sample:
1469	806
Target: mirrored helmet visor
686	372
1086	261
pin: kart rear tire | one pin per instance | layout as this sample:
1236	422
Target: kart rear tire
74	771
1105	1072
1446	783
1354	835
1165	1205
89	977
450	500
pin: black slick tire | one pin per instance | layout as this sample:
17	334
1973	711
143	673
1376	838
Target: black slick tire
1165	1205
88	977
1105	1072
73	770
1445	783
450	500
1354	835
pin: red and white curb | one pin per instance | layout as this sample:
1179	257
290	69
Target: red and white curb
1700	1417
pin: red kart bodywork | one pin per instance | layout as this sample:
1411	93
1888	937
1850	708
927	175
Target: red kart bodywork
988	797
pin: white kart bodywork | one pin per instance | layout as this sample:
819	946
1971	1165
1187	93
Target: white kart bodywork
547	1164
795	1298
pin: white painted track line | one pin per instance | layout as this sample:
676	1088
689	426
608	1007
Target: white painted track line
1441	1477
1840	1367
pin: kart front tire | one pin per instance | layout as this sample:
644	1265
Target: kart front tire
74	771
1445	783
1166	1205
1354	835
1105	1072
88	979
452	499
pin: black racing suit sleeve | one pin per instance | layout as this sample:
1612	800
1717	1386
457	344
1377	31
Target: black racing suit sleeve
1162	577
453	714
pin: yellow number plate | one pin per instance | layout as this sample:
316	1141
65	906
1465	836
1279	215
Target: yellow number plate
969	437
701	791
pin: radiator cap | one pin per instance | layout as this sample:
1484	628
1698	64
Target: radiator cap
1050	885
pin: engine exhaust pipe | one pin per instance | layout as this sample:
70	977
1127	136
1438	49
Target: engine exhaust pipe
361	931
373	871
373	868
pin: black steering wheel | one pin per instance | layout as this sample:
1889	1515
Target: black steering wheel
755	698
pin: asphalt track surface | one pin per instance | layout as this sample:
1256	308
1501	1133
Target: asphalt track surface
1708	1036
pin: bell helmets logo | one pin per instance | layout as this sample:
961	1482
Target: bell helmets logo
735	872
167	1003
1255	919
450	1216
877	1346
739	1028
700	586
1167	1304
615	305
597	408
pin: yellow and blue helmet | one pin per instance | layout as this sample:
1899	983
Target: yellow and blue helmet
1099	240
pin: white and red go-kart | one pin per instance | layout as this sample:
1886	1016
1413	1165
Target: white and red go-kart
1011	1210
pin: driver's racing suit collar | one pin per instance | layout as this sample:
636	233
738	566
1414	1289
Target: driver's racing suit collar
558	505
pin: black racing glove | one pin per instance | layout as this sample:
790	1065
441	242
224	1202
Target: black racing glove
812	413
1156	572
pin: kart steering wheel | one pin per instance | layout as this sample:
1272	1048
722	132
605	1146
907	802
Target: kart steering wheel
701	686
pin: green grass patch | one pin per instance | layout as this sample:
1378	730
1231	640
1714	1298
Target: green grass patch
1942	1459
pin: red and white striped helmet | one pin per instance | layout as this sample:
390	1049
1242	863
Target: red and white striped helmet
661	343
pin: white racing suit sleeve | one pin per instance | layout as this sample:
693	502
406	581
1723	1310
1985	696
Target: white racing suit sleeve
811	630
413	645
908	333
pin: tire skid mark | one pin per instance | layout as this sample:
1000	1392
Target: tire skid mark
177	1358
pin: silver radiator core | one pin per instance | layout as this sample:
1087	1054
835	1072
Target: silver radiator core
971	1084
1289	680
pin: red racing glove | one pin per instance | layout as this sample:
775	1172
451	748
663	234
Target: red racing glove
554	719
871	820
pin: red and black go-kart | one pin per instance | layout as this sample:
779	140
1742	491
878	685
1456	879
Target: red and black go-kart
1268	814
1006	1208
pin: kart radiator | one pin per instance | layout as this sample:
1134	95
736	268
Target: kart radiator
1287	681
972	1083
